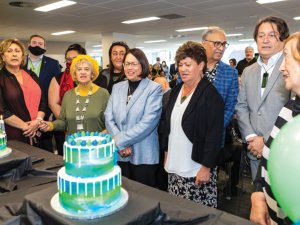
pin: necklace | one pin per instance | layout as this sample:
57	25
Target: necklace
81	114
265	76
187	93
129	96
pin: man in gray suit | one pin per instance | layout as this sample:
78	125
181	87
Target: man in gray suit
262	92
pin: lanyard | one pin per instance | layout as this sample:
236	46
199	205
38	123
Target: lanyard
37	70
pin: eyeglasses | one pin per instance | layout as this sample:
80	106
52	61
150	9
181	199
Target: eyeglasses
133	64
218	44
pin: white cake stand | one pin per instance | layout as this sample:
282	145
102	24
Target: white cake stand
89	215
5	153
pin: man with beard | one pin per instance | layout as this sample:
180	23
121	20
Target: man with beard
45	68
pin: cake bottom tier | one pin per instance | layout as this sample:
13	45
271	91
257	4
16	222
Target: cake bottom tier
5	152
89	194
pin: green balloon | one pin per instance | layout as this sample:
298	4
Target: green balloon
284	168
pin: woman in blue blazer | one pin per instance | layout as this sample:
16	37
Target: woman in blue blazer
132	117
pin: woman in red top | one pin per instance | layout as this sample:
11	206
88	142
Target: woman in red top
21	101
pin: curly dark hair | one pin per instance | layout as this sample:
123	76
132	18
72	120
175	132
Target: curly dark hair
193	50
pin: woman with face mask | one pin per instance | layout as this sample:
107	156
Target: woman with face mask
21	101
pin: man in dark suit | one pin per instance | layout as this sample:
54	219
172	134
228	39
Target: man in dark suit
45	68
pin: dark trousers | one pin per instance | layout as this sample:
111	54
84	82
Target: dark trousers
59	137
161	174
45	141
143	173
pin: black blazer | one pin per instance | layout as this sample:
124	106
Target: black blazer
202	122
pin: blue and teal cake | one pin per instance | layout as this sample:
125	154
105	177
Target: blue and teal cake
3	142
91	179
4	150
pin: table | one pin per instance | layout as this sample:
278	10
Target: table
30	202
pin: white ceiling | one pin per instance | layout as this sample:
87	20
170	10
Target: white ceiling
91	18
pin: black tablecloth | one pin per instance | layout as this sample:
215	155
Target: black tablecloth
41	159
40	186
138	210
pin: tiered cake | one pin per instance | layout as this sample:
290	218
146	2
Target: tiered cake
90	183
2	142
4	150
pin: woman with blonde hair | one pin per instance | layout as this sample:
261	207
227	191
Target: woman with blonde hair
21	101
82	107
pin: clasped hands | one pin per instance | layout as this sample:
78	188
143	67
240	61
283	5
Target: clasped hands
30	129
125	152
256	145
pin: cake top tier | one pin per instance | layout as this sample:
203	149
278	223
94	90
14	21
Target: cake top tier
86	138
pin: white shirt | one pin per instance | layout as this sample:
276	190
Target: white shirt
266	68
179	160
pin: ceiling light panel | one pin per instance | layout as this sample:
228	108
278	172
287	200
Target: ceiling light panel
154	41
192	29
63	32
233	35
268	1
146	19
55	5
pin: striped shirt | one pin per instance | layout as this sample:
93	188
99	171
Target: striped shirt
262	181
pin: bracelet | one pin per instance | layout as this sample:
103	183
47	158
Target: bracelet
39	118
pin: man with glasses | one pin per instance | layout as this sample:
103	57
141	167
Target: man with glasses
222	76
115	72
225	79
261	97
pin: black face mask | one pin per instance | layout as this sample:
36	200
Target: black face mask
36	50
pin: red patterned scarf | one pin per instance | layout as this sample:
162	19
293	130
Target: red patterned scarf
66	82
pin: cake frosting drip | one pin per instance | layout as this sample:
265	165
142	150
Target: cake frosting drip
88	194
3	141
89	154
91	179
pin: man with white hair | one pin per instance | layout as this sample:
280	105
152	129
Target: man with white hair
220	74
247	61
